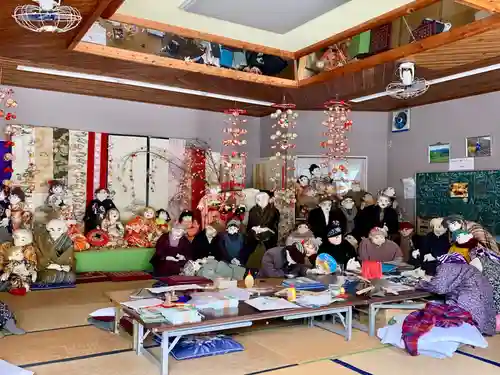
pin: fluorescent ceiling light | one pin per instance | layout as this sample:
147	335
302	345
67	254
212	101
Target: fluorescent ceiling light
128	82
436	81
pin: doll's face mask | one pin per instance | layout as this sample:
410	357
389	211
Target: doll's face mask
439	230
177	233
233	230
210	231
383	202
348	204
302	228
102	195
56	229
22	237
303	181
454	226
337	240
378	239
262	200
326	205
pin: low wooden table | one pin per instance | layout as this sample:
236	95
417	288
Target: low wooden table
244	316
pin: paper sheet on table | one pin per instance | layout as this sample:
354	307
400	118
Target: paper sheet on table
409	188
175	288
239	293
271	303
7	368
138	304
107	311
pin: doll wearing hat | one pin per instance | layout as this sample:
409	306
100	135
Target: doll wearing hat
337	246
463	243
378	248
409	241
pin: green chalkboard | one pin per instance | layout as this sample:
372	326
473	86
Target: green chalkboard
434	198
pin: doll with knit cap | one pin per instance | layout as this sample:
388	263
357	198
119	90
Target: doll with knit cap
231	243
301	233
378	248
337	246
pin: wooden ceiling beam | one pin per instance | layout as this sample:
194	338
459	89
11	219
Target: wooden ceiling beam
194	34
112	8
368	25
166	62
488	5
408	50
89	21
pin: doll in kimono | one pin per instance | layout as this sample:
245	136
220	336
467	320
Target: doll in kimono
162	221
16	208
137	234
114	228
20	267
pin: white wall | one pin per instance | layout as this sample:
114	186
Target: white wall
80	112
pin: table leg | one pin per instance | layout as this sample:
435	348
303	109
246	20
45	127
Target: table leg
118	316
372	318
348	324
138	337
165	352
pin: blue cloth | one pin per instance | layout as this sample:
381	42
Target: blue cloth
233	243
203	346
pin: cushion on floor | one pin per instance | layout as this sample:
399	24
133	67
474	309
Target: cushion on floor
184	280
91	277
36	286
191	347
128	276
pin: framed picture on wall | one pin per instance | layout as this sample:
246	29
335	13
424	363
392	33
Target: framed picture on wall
476	147
439	153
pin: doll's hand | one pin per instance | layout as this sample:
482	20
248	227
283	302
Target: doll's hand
33	276
65	268
415	254
385	228
4	277
236	262
318	241
429	258
172	259
4	223
353	265
181	257
54	266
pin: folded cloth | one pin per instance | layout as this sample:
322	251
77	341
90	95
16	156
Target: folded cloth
432	315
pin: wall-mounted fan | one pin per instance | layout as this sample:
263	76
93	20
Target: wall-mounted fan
401	121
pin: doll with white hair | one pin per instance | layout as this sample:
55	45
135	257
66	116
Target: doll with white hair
378	248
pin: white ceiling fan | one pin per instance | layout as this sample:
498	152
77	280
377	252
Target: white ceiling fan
47	16
408	85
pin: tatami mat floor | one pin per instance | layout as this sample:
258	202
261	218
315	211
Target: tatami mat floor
59	341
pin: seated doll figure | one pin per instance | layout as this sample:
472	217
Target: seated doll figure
97	208
463	243
296	260
137	234
338	247
205	244
8	321
433	245
348	208
378	248
367	200
20	268
231	243
55	253
464	286
162	221
381	215
488	263
322	217
187	220
457	222
173	250
409	241
263	221
301	233
114	228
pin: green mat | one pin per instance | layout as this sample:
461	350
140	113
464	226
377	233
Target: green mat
114	260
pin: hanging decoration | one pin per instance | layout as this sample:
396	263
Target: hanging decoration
336	144
283	174
233	159
7	104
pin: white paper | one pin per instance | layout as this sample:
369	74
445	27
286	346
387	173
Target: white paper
138	304
462	164
7	368
271	303
96	34
409	188
175	288
239	293
107	311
